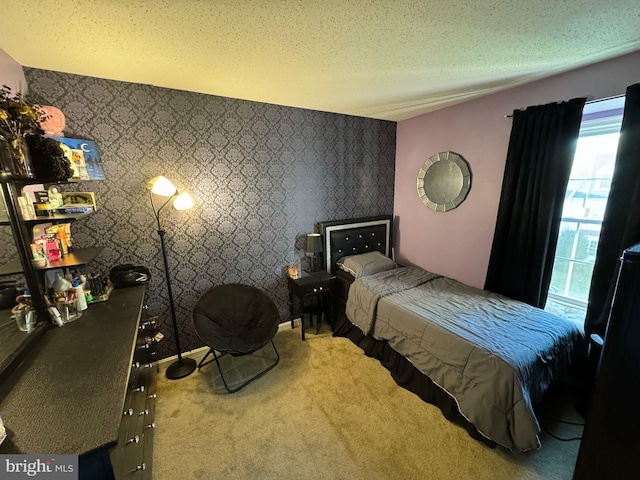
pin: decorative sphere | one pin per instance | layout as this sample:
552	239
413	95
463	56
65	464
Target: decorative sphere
54	123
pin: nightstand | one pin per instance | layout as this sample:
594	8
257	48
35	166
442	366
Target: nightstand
312	285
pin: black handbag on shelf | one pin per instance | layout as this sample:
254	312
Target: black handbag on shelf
128	275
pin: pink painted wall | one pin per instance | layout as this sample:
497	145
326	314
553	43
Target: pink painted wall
11	74
458	243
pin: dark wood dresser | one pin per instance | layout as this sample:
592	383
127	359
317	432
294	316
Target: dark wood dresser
88	389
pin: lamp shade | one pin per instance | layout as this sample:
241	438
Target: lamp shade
161	186
183	202
314	243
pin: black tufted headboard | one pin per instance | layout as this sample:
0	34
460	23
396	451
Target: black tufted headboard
351	237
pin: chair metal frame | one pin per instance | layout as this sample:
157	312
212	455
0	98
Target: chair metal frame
222	354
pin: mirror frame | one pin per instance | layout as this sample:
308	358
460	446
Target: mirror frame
456	195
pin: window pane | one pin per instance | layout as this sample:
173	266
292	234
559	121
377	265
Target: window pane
580	281
566	239
584	205
559	276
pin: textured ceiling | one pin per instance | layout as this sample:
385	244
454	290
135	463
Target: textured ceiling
379	58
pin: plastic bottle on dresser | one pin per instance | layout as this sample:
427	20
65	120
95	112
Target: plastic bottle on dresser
81	300
85	286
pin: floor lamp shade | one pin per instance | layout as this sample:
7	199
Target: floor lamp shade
162	186
183	202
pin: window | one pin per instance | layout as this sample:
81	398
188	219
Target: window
584	204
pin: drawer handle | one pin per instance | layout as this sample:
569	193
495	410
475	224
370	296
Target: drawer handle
146	324
139	389
128	412
142	365
153	395
151	425
142	466
144	412
135	439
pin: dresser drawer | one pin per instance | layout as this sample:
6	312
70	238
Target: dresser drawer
137	460
315	288
146	352
133	464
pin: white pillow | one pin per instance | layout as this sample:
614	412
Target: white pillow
366	264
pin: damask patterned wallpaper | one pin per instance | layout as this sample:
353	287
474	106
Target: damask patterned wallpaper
260	175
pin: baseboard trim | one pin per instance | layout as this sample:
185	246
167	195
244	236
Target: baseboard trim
287	325
190	353
196	351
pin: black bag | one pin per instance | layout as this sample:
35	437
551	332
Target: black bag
129	275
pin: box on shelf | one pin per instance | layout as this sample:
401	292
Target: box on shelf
39	252
65	202
77	202
77	209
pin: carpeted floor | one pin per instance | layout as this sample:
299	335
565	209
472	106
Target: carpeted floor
329	412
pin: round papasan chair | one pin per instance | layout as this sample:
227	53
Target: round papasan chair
235	319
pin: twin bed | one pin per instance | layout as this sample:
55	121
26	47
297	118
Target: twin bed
483	359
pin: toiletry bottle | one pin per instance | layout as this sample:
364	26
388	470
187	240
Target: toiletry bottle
87	288
60	284
24	209
81	300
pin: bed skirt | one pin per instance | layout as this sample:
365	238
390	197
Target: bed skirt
405	374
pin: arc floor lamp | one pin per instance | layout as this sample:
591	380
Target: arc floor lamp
161	186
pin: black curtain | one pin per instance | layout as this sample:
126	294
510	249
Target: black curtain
541	150
621	222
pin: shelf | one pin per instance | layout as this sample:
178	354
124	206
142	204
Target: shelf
6	177
11	187
57	218
80	256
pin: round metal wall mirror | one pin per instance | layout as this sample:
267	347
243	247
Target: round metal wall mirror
444	181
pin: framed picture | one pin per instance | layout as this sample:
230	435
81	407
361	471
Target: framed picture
84	156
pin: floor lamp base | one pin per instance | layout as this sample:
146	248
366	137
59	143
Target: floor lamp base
181	369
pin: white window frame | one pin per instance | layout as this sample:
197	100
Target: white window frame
599	118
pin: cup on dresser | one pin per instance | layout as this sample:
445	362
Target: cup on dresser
24	317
